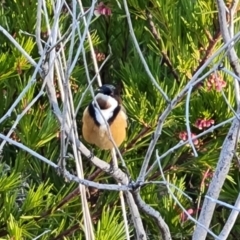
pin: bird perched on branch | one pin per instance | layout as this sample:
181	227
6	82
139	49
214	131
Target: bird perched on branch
95	129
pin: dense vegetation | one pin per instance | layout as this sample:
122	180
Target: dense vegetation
176	38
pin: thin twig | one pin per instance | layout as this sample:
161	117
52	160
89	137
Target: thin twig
46	231
180	205
173	103
18	46
182	143
153	80
231	219
164	229
19	117
71	177
230	141
188	123
38	27
90	43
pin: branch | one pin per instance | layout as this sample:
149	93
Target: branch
208	52
175	101
182	143
140	53
230	141
218	179
155	214
68	232
178	203
18	46
188	122
232	55
118	174
137	221
231	219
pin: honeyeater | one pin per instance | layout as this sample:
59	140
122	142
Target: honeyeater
94	127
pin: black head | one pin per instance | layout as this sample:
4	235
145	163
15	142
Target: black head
109	90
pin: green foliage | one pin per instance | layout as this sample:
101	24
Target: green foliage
110	226
34	199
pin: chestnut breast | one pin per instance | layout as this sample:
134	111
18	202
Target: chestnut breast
98	134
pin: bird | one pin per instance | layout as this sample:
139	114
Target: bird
110	111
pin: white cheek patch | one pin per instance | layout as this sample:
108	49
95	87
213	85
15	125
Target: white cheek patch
105	113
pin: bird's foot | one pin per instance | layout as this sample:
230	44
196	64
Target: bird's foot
113	167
